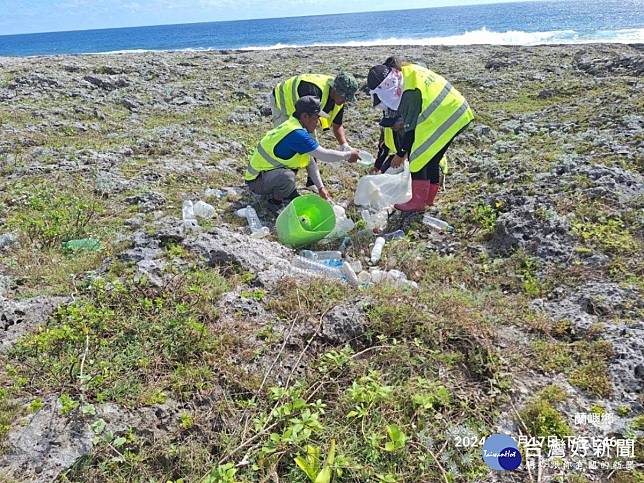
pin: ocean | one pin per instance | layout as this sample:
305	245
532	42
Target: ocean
525	23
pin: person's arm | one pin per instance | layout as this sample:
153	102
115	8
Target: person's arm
409	109
338	132
334	156
313	172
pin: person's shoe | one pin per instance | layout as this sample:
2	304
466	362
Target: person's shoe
431	195
419	194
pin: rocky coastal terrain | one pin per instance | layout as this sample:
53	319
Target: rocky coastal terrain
202	356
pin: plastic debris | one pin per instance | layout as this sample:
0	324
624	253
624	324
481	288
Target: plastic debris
257	230
375	221
214	193
437	224
323	255
376	252
394	235
203	209
83	244
188	214
317	267
343	225
348	271
380	191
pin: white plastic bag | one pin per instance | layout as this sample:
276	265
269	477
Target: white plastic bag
380	191
343	225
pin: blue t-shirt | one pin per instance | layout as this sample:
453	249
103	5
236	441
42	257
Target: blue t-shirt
296	142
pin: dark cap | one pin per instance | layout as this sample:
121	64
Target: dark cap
346	85
376	75
309	105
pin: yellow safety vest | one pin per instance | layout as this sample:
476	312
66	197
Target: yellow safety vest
444	112
389	140
264	159
391	144
286	95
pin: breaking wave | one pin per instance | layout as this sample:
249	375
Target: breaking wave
485	36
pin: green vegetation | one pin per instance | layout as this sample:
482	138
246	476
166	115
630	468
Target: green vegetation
541	417
585	363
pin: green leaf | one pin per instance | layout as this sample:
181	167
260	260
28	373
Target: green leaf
98	426
118	442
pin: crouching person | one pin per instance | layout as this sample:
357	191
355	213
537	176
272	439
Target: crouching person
287	148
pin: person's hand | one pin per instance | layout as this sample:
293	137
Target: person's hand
397	161
345	147
324	194
355	155
374	170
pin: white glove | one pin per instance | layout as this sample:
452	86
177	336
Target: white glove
345	147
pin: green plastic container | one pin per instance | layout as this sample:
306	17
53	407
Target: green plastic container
305	220
84	244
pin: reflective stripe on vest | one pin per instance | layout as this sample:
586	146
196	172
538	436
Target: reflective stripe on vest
262	160
286	95
444	112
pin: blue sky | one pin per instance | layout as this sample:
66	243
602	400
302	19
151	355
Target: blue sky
27	16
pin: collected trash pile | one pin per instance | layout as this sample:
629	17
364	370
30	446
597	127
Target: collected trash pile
309	219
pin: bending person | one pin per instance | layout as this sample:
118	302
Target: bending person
288	147
333	93
433	114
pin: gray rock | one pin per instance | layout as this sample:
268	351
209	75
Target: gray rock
344	324
7	239
20	317
149	201
49	444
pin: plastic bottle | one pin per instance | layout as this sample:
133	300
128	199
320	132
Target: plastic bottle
375	220
348	271
394	235
356	265
377	276
203	209
313	266
84	244
241	212
256	228
364	277
323	255
436	224
376	252
189	220
331	262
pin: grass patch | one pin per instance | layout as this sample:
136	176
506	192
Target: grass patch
138	341
584	362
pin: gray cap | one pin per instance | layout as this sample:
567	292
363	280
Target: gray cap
346	85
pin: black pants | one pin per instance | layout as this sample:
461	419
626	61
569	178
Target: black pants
431	171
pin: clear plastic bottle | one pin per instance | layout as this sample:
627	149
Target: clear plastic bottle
313	266
203	209
437	224
376	252
256	228
348	271
323	255
394	235
188	214
364	277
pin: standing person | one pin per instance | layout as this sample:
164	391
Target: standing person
287	148
433	114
